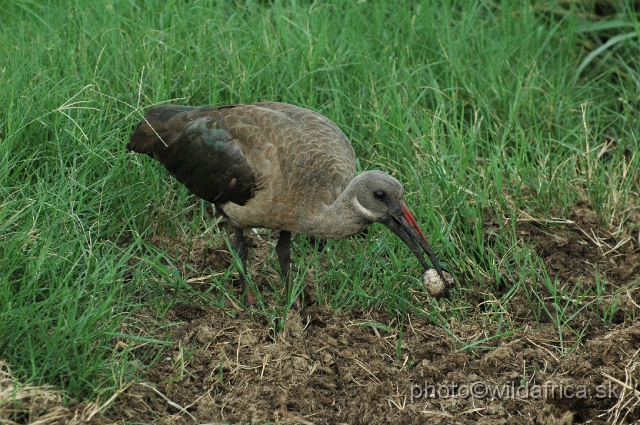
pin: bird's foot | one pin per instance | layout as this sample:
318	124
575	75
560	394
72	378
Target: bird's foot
247	296
250	299
297	305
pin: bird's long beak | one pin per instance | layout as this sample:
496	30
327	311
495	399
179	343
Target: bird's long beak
406	227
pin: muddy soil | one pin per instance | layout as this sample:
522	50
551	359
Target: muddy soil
328	367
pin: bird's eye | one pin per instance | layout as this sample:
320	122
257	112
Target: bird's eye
379	195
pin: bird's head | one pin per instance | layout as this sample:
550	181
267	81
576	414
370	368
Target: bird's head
380	198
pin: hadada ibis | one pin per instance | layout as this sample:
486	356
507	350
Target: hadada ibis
277	166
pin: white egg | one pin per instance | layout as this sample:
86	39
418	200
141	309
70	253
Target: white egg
434	284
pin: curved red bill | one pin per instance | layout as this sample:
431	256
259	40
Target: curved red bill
412	221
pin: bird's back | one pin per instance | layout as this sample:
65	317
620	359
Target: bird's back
281	158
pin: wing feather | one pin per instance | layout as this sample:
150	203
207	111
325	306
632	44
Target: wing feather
199	154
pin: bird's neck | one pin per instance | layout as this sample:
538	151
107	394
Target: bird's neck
341	219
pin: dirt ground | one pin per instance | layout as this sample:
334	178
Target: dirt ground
333	368
328	368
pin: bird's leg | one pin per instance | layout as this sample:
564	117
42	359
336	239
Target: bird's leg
283	249
239	245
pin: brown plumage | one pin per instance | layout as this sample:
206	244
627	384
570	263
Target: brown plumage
276	166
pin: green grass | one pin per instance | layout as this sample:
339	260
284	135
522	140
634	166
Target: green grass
481	110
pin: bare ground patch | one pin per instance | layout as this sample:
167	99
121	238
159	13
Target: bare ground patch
328	367
581	250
